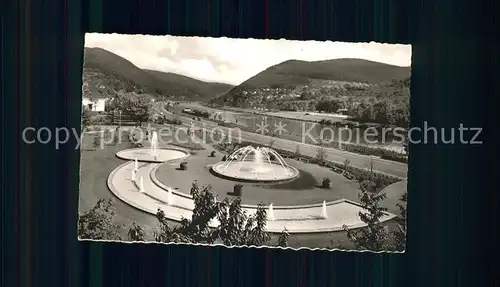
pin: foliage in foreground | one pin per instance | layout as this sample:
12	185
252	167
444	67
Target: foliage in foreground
376	236
236	227
98	222
400	234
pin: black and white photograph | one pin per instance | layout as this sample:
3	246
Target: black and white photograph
244	142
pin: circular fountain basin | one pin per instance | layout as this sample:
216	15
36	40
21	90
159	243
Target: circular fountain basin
148	155
249	172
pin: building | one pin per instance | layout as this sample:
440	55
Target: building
96	105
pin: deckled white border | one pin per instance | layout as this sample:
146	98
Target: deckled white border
243	246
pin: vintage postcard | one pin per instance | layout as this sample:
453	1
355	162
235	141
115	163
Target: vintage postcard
244	142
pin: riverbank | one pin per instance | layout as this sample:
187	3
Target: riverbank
311	117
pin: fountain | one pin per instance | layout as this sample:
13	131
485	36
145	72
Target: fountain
324	215
270	213
141	184
253	164
152	153
136	165
133	174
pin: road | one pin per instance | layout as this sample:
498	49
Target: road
392	168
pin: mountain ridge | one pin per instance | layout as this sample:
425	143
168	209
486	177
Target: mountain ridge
343	69
106	72
297	79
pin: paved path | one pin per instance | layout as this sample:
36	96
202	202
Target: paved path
176	207
393	168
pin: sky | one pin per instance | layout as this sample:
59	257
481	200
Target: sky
233	61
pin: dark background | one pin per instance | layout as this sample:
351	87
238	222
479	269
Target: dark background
451	206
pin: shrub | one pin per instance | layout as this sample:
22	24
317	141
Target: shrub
368	186
321	156
160	120
395	157
224	158
212	154
347	164
97	142
177	122
376	151
326	183
183	165
237	189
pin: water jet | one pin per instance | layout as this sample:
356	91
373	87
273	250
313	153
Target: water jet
255	164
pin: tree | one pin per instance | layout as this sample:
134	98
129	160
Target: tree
136	233
381	112
197	228
400	234
283	238
236	228
86	91
329	106
138	107
374	236
347	164
98	222
86	120
167	234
